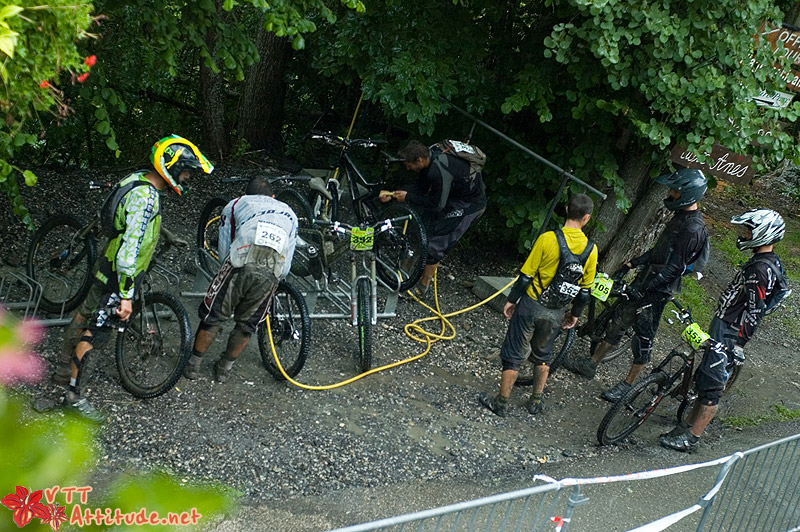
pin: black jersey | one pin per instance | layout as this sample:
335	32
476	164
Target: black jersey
742	303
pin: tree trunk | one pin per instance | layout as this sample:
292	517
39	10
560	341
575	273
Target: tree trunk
212	93
634	174
264	93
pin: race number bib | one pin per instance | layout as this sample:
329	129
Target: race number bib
362	239
271	236
601	287
569	289
695	336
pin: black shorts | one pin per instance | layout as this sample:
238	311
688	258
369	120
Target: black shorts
531	332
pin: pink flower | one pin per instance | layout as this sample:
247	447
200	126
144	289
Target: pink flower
18	366
83	77
90	61
44	84
30	332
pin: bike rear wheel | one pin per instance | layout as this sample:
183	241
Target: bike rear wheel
364	323
401	251
154	348
291	332
61	263
627	414
208	235
561	346
299	205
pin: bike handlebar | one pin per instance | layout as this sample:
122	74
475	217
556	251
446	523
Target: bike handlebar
99	185
381	226
335	140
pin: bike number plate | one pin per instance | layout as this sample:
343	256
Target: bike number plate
362	239
271	236
695	336
601	287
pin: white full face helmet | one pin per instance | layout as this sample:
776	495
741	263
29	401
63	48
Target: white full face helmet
766	225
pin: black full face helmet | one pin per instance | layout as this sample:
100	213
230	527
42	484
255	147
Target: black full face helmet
690	182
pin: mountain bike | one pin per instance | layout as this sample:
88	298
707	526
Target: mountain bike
672	377
289	317
589	334
363	288
400	253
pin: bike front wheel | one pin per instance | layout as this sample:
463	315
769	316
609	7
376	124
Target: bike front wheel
633	409
61	262
401	251
154	348
291	332
561	346
208	235
364	323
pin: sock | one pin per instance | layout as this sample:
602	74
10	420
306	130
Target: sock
226	363
196	358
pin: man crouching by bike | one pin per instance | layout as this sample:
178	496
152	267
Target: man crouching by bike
133	235
683	241
560	269
256	242
755	290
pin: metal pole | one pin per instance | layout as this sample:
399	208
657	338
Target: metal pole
526	150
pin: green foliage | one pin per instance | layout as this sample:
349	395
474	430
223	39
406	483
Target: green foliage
694	296
777	413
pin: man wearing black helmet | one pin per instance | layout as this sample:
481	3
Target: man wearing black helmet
683	241
739	311
133	234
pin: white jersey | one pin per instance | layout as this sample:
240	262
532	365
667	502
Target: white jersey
253	225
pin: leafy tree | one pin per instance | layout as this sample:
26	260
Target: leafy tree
38	59
600	88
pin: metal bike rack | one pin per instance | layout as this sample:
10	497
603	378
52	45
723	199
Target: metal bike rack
22	294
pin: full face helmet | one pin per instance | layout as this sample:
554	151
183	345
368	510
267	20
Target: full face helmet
767	227
691	183
172	155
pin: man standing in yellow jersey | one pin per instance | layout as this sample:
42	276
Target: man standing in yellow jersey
559	270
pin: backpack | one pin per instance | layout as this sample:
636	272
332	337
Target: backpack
701	260
108	211
781	289
472	154
564	286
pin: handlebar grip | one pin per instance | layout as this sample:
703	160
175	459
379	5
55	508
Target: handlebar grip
97	185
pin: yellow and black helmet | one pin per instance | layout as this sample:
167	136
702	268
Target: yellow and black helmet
172	155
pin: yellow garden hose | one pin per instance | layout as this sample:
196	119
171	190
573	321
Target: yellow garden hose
413	330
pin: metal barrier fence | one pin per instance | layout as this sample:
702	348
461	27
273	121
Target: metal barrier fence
755	490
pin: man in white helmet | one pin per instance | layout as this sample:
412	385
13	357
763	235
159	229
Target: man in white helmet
739	311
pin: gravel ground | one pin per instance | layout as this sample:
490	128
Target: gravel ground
417	423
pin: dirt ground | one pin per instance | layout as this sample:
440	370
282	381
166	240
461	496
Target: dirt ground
408	438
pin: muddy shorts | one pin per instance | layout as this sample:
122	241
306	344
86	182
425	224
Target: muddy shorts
243	293
531	332
444	233
712	374
644	316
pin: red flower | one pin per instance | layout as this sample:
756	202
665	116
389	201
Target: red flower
44	84
90	61
55	516
25	507
83	77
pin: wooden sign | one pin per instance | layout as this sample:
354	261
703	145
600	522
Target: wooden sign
724	164
790	38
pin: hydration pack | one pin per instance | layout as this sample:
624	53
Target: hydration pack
564	286
781	290
108	211
472	154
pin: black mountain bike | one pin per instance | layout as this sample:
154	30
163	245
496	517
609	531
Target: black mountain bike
606	297
400	253
672	377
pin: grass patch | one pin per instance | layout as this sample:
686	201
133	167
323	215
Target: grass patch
788	250
698	300
777	413
725	243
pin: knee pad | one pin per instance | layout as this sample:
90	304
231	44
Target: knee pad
100	336
80	363
642	349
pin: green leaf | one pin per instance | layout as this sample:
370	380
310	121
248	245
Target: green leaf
10	11
111	142
30	178
104	127
8	41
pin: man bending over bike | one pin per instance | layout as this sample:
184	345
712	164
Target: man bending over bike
127	254
682	242
450	197
739	311
256	241
559	270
